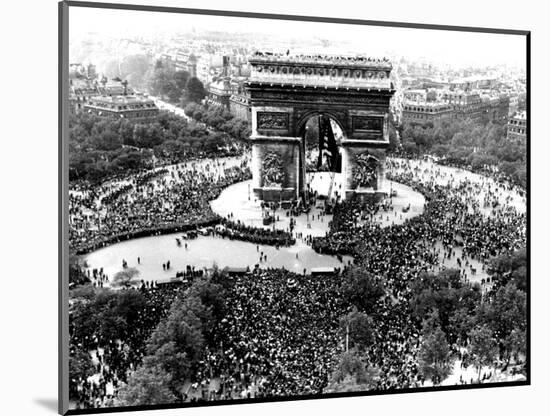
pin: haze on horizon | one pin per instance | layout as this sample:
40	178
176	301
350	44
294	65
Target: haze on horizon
442	47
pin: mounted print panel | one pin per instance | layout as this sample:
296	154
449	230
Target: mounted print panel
261	209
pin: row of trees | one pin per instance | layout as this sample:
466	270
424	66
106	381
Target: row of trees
101	147
468	143
176	86
158	77
219	118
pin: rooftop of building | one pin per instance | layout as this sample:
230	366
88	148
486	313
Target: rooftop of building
473	78
321	59
520	115
122	99
429	104
330	71
415	91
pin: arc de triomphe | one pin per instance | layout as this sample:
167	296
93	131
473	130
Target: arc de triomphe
286	91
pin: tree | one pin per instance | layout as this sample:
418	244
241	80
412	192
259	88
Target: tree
510	267
505	312
351	374
362	289
410	147
211	294
177	343
483	348
148	385
83	292
121	315
434	357
460	324
445	293
80	368
80	365
147	136
174	149
181	78
195	91
359	328
515	344
105	135
126	132
125	277
190	109
162	82
83	323
129	159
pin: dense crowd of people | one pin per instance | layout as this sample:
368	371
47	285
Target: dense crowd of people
453	217
280	334
175	199
279	337
113	358
238	231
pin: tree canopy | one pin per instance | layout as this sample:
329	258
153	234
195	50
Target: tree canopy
148	385
434	361
362	289
465	142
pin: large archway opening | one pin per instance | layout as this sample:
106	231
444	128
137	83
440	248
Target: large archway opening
321	157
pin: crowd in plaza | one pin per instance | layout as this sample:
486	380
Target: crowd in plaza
152	203
399	254
279	337
280	334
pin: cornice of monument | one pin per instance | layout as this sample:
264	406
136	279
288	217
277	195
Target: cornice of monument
320	71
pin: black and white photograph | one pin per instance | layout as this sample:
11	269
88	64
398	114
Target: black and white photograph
269	208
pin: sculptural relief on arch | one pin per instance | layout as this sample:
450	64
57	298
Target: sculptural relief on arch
286	91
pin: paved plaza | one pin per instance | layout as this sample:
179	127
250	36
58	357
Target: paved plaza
238	200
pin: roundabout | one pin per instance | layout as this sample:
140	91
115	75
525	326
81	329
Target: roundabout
434	218
238	204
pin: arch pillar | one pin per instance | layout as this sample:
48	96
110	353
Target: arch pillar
276	168
352	151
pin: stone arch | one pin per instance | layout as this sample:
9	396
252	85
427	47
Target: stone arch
282	101
305	117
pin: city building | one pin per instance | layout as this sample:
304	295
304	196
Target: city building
474	82
211	66
82	85
517	127
478	107
219	92
415	95
180	60
239	102
80	92
134	107
424	112
429	105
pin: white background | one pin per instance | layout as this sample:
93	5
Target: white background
28	206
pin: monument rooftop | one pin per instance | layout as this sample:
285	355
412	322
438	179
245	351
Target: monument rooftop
329	71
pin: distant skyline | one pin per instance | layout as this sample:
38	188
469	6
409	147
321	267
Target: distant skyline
458	49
